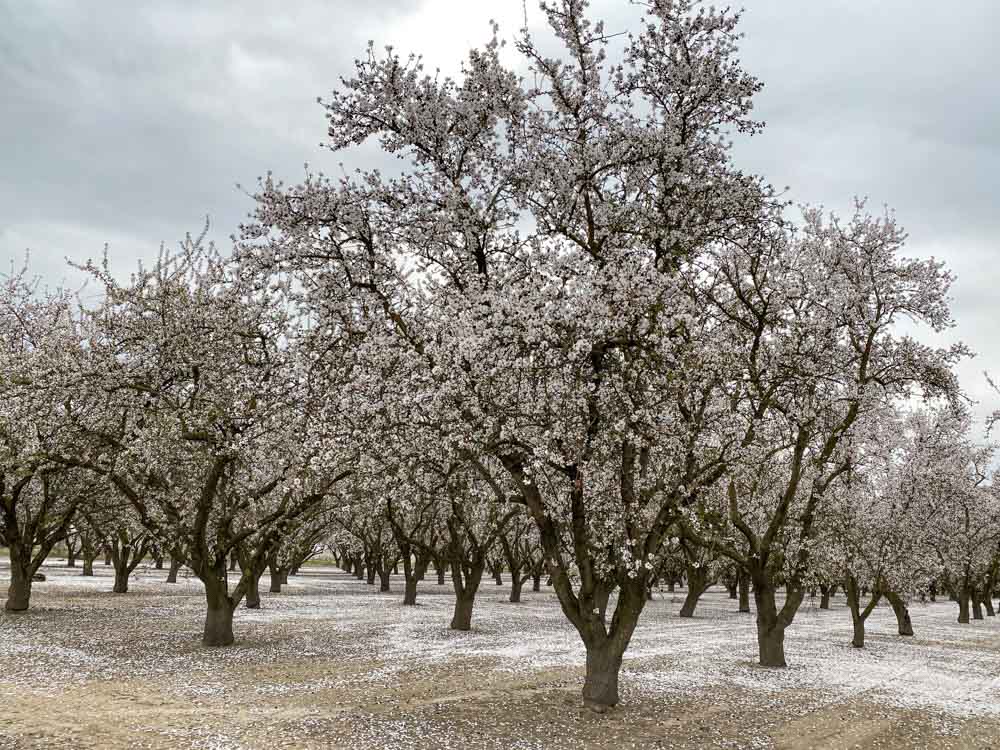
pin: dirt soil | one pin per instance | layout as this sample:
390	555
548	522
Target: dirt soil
331	663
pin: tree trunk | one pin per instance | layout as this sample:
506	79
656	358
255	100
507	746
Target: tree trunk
277	578
824	601
903	623
731	588
159	563
253	590
516	582
697	583
963	606
771	624
370	573
441	571
977	605
600	687
359	569
88	566
536	582
219	617
462	616
175	565
670	585
19	590
410	591
988	603
383	579
497	576
744	590
121	579
107	558
70	556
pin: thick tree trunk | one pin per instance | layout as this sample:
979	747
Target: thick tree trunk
902	612
219	617
771	624
121	579
516	582
410	591
988	603
253	590
70	556
600	687
442	569
88	566
277	579
359	569
744	590
159	563
370	574
19	590
497	576
107	558
731	588
175	566
461	618
536	582
963	606
383	579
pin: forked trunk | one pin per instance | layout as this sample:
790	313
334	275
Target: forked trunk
88	566
697	584
383	579
977	605
771	623
902	612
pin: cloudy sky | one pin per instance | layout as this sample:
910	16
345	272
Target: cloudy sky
128	122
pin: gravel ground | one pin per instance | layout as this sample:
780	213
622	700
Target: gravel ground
331	662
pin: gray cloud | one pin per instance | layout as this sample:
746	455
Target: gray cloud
128	121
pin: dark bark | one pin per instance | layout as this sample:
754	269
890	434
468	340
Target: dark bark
359	568
516	582
219	616
859	614
277	579
988	603
175	566
88	566
466	579
771	623
824	601
383	578
977	605
902	612
121	580
19	590
253	591
963	606
159	563
604	662
536	582
744	591
697	584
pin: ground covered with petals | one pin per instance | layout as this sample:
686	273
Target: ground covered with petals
331	662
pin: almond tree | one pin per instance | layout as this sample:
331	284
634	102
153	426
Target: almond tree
193	401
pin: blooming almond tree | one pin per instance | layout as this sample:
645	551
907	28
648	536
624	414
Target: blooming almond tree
192	400
519	283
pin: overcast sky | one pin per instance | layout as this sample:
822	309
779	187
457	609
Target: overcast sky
128	122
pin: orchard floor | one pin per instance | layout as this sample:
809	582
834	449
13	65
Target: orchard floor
331	663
